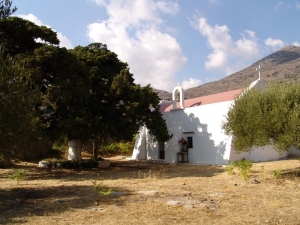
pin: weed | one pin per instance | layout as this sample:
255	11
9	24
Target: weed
229	168
101	190
18	175
244	166
277	173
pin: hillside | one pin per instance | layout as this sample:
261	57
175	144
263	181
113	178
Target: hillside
283	64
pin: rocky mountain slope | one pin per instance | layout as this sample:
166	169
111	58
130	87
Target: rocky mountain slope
283	64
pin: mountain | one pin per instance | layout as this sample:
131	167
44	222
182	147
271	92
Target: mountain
281	65
164	95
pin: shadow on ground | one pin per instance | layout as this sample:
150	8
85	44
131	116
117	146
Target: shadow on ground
43	201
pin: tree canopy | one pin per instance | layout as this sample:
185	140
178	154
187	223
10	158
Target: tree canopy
266	117
18	125
116	106
5	9
64	86
22	36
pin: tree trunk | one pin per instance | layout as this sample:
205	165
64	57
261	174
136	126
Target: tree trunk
95	149
74	150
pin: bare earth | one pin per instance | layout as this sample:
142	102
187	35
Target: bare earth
153	193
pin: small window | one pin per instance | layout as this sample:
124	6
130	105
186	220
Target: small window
190	142
161	150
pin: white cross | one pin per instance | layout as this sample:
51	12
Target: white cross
258	69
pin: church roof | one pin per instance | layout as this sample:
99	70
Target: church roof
205	100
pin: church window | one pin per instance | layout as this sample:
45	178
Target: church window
190	142
161	150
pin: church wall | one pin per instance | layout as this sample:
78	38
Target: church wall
210	144
266	153
140	151
152	147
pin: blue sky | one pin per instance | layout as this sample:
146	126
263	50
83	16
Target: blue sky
190	42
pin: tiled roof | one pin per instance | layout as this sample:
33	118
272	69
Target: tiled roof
209	99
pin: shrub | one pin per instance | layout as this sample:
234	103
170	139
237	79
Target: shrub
101	190
244	166
18	175
229	168
277	173
117	148
69	164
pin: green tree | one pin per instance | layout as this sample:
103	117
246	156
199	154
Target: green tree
263	117
116	107
22	36
63	79
18	98
5	9
65	87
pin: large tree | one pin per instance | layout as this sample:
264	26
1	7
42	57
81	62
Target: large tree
263	117
63	80
18	98
117	107
65	87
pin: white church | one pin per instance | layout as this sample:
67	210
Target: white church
197	134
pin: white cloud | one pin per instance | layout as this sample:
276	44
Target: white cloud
274	43
278	5
168	7
296	43
186	84
153	56
63	40
227	55
297	5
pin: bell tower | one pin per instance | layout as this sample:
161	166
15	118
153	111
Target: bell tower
181	98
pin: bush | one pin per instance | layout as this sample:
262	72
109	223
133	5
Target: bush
18	175
229	168
101	190
244	166
68	164
117	148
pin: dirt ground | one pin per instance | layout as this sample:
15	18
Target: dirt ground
153	193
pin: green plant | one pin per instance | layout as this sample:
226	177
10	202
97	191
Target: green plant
244	166
101	189
117	148
268	117
69	164
277	173
18	175
229	168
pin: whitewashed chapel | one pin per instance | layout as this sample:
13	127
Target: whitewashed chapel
197	134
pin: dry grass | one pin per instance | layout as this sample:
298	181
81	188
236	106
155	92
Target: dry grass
202	195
